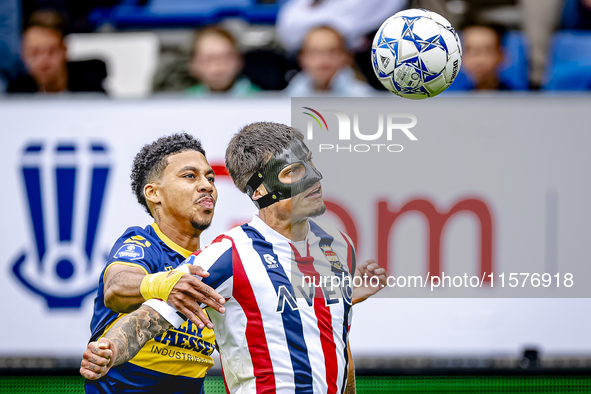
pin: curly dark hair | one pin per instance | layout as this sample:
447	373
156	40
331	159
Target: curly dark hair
153	159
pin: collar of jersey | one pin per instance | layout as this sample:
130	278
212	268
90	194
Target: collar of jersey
179	249
267	231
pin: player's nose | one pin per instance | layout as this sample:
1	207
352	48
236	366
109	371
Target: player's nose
205	185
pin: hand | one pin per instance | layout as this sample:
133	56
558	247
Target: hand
366	271
190	292
97	359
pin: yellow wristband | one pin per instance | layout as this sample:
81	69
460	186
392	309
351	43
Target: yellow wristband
159	285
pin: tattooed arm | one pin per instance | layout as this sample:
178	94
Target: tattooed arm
122	342
351	378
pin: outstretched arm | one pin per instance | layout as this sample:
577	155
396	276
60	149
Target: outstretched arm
122	342
123	293
350	389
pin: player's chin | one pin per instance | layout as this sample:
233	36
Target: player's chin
201	225
202	220
318	209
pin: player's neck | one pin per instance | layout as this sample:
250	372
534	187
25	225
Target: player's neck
294	231
185	238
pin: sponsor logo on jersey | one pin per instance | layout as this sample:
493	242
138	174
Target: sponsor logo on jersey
130	252
270	260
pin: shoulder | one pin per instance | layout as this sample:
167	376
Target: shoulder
197	90
323	229
244	87
215	258
300	85
345	82
139	234
136	242
230	239
221	247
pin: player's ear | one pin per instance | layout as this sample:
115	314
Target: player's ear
152	193
259	192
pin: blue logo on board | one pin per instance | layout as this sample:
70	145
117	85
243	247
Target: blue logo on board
64	185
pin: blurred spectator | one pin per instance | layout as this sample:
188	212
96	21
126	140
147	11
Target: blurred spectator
440	7
9	41
75	11
217	64
354	19
44	54
326	67
540	19
576	15
482	55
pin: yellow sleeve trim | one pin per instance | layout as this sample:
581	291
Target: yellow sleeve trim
124	263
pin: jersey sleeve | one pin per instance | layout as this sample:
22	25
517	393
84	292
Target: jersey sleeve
216	258
136	248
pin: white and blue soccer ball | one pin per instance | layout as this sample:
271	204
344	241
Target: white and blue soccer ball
416	54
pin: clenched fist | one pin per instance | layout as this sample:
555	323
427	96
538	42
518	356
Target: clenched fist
97	359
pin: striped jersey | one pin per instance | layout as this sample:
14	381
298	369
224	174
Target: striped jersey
282	331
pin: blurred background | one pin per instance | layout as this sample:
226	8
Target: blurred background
101	78
137	48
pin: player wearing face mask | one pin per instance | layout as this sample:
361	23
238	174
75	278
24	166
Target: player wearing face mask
279	333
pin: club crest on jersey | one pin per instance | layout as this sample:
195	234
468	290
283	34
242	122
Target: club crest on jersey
331	256
64	187
130	252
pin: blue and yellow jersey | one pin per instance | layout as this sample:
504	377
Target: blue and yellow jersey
175	361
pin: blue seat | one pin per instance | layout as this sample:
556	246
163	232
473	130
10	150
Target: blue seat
183	13
569	62
513	70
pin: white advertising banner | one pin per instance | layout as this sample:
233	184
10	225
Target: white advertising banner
67	198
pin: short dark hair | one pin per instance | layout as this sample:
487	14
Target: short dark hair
48	19
153	159
251	148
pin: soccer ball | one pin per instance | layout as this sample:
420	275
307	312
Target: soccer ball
416	54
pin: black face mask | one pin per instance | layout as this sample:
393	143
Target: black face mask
297	153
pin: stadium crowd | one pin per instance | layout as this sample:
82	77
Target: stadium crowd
313	46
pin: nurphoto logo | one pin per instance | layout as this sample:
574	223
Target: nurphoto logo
388	126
